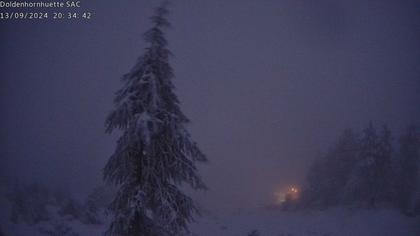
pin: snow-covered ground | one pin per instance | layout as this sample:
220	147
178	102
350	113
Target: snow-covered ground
268	222
59	225
333	222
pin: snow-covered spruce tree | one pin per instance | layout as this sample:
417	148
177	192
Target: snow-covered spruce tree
365	174
408	174
347	151
370	181
339	163
384	183
154	155
328	176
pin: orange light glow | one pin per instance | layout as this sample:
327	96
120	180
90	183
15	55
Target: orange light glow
294	190
291	193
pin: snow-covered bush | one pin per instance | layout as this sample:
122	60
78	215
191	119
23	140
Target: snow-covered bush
29	204
57	228
254	233
71	210
95	206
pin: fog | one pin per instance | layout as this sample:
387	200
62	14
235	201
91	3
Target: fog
268	86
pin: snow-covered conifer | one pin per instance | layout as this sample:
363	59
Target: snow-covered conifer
155	153
373	169
408	175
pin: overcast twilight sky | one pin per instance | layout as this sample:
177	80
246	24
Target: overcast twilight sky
267	84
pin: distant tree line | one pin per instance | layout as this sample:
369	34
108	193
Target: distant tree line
368	170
